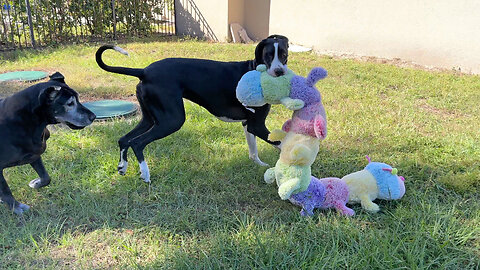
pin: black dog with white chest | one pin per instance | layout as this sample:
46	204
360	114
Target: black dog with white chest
211	84
24	117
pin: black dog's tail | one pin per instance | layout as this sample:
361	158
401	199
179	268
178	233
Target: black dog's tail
137	72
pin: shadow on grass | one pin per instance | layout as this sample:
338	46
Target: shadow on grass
17	54
202	183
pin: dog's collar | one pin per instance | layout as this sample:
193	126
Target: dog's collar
252	64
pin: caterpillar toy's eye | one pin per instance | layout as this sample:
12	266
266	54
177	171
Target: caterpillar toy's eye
394	171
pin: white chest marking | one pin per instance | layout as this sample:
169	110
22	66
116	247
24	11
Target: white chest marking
226	119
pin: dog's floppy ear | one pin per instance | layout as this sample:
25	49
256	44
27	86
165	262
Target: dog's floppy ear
259	52
57	76
45	96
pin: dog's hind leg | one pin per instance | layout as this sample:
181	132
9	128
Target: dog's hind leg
7	197
44	179
168	115
124	143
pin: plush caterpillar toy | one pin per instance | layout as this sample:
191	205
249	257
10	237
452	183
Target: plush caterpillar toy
376	181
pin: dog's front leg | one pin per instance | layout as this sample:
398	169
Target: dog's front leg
252	147
44	179
7	197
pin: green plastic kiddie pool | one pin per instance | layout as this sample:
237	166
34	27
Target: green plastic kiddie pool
106	109
25	76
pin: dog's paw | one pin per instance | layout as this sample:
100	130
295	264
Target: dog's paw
145	177
144	172
257	160
122	167
38	183
20	208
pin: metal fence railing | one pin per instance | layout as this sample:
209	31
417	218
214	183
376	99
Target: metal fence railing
31	23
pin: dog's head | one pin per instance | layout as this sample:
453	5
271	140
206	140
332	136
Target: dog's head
273	52
59	104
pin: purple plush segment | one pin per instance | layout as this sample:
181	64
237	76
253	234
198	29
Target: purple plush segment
311	198
306	120
316	74
323	193
300	90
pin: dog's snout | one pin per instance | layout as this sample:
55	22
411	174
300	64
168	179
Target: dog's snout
91	117
279	72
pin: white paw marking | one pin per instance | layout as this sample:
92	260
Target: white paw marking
252	148
122	165
257	160
21	208
144	172
35	183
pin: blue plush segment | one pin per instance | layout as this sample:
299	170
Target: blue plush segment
249	89
387	183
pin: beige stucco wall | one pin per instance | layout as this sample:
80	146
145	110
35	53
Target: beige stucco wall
441	33
257	18
236	11
253	15
202	18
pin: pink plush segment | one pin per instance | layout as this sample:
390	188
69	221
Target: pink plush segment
287	125
336	192
309	121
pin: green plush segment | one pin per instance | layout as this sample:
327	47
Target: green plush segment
285	172
275	88
111	108
25	76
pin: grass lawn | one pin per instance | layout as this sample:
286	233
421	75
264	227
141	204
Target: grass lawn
208	207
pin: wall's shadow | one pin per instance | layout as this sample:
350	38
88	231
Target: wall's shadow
191	22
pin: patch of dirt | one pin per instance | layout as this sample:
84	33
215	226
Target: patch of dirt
394	62
436	111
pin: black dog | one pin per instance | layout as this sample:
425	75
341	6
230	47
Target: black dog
211	84
24	117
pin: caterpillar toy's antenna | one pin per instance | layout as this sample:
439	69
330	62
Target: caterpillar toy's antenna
368	158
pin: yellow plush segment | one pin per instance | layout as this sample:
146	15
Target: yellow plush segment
277	135
362	188
299	149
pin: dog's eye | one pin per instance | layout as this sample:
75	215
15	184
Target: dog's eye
70	104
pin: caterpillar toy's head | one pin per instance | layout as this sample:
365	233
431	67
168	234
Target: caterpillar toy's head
391	186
